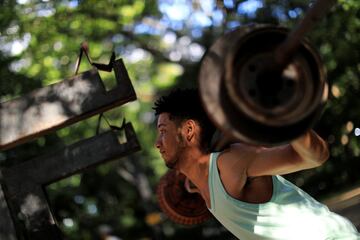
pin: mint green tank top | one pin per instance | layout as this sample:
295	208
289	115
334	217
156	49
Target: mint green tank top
291	214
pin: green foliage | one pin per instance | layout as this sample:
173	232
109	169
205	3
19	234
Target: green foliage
161	46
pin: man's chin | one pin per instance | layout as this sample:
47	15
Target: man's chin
171	165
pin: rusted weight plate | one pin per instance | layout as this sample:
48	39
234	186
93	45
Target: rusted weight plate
249	101
177	203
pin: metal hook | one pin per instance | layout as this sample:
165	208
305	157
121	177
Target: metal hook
84	48
112	127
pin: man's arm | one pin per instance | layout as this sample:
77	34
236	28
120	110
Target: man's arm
308	151
311	148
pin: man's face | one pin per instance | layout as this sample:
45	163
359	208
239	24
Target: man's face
170	141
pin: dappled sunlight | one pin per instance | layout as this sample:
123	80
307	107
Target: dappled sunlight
14	47
249	7
31	205
357	132
335	91
45	108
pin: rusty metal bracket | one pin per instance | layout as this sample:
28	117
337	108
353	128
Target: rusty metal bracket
7	228
58	105
23	184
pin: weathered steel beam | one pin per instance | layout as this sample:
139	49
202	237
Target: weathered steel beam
24	182
7	229
314	14
61	104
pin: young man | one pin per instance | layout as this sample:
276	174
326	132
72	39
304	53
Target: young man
242	186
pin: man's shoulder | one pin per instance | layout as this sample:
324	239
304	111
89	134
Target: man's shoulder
237	158
233	158
237	151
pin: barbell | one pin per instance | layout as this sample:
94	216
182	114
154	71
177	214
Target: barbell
251	96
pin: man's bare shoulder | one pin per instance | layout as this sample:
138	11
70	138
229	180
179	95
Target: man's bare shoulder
242	148
233	158
237	157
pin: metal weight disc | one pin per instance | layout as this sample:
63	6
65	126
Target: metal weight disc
255	108
273	99
177	203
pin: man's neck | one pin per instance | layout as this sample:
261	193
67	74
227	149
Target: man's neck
194	165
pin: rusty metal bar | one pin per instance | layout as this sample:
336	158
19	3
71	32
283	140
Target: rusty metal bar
287	49
23	183
61	104
7	229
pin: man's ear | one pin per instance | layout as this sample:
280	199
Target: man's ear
190	128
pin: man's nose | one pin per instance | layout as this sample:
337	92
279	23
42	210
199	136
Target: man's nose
157	142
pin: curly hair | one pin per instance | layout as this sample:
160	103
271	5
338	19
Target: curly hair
185	104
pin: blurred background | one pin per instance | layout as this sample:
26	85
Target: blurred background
162	43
